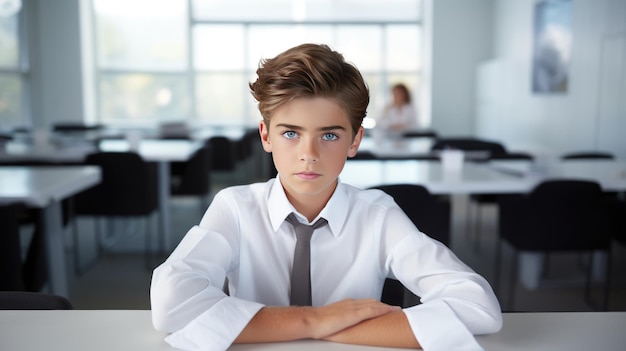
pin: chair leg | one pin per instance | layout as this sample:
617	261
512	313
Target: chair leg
607	283
148	238
513	280
80	268
468	219
498	259
478	227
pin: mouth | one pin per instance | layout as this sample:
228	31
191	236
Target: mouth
308	175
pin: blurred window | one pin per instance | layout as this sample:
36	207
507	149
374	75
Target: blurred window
193	59
13	68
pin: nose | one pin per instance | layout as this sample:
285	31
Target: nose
309	150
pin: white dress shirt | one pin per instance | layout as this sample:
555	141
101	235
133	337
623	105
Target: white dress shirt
244	236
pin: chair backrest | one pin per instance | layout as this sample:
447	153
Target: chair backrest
248	144
558	215
429	213
23	300
129	186
587	155
512	156
223	153
420	134
363	155
193	175
10	249
469	144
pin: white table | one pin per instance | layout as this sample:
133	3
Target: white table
610	174
472	178
107	330
163	152
20	152
45	187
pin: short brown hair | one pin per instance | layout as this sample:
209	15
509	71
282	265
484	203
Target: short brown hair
310	70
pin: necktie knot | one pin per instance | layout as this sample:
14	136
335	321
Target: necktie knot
305	230
301	270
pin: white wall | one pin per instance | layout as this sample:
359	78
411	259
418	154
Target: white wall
590	116
462	38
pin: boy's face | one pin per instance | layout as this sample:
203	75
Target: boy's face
310	139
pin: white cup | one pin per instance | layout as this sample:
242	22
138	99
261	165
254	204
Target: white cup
452	160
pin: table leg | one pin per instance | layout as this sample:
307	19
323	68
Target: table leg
530	269
164	204
55	251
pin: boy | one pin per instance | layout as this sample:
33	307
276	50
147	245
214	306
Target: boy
313	103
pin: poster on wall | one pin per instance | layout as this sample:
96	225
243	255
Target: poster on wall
552	46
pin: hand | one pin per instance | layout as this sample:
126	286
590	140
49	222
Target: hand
333	318
388	330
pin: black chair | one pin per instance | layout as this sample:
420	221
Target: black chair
24	300
129	188
363	155
470	144
619	221
420	134
591	155
588	155
252	155
192	177
476	201
223	155
65	127
10	250
431	215
557	216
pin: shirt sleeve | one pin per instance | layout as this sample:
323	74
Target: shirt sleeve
456	302
187	298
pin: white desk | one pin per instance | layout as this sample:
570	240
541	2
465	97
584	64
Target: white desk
473	178
397	148
163	152
20	152
610	174
108	330
45	187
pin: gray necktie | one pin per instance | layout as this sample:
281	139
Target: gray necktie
301	271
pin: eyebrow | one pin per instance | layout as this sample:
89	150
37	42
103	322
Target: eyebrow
323	129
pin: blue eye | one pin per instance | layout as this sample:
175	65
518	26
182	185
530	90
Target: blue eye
330	136
290	134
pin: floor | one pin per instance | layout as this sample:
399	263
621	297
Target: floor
119	278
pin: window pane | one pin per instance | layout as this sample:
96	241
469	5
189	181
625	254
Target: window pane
144	96
375	84
221	97
129	37
307	10
403	47
9	42
11	113
218	47
230	10
267	41
361	45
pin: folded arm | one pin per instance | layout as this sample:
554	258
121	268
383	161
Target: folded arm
272	324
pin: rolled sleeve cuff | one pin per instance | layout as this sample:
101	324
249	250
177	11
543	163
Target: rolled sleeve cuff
217	328
437	327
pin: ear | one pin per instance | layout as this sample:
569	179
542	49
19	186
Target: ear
265	136
354	147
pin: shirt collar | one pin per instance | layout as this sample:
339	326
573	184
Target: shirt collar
335	211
